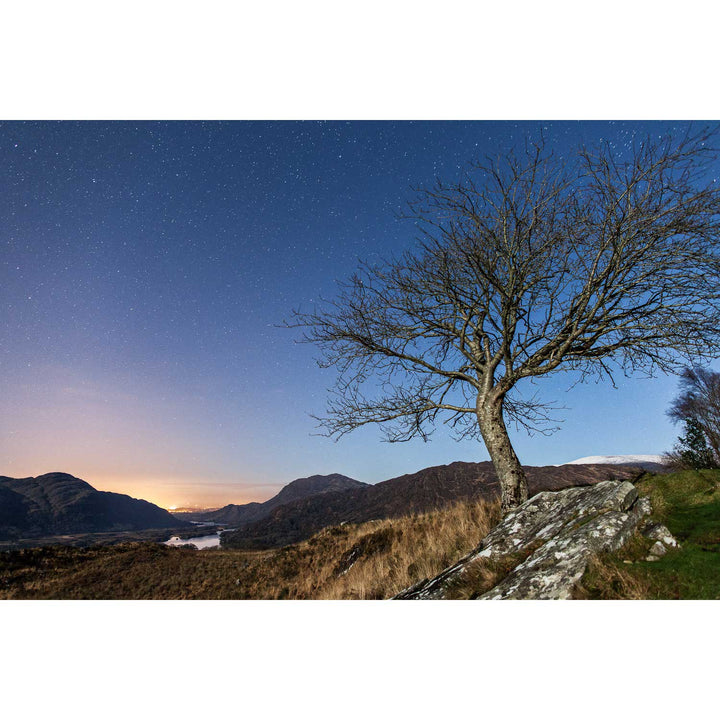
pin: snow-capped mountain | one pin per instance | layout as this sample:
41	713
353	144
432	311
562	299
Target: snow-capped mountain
618	460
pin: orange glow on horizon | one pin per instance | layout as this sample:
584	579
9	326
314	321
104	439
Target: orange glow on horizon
184	494
168	492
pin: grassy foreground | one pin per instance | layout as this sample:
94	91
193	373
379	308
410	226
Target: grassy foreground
380	558
371	560
688	503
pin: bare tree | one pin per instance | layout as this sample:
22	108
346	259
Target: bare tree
699	401
530	265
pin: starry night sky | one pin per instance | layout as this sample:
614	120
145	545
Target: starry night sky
145	267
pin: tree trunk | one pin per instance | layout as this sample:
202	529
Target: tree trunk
513	484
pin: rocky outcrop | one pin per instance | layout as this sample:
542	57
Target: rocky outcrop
424	491
559	532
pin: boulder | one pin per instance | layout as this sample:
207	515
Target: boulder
658	532
656	551
561	531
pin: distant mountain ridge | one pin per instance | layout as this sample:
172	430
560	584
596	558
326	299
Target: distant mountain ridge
240	515
58	503
647	462
425	490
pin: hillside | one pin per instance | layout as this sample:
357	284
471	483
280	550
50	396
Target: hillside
423	491
379	559
58	503
239	515
371	560
688	504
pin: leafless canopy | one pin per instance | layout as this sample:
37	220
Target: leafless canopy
530	265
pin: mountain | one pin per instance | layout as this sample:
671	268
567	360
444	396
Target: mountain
428	489
58	503
239	515
646	462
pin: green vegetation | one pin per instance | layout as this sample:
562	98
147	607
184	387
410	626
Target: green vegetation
692	450
698	407
688	503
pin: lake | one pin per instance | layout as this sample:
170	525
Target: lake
202	542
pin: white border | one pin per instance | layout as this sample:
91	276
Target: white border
392	60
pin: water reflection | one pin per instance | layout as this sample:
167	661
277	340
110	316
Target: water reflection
202	542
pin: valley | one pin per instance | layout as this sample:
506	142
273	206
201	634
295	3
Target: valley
378	559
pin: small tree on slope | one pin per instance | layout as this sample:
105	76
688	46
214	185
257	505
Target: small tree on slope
527	267
692	450
699	401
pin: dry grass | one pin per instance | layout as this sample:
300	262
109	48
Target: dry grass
618	575
371	560
604	579
379	559
479	576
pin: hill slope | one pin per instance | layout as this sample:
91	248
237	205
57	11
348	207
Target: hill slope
378	559
58	503
423	491
687	502
373	560
240	515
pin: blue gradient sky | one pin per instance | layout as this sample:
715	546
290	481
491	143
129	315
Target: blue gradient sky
144	268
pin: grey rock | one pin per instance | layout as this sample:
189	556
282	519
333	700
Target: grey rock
548	513
552	572
571	525
656	531
644	507
657	551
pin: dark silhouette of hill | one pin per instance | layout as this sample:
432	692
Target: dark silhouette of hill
58	503
428	489
240	515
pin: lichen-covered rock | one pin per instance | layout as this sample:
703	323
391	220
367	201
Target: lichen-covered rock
553	570
570	526
658	532
643	507
656	551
